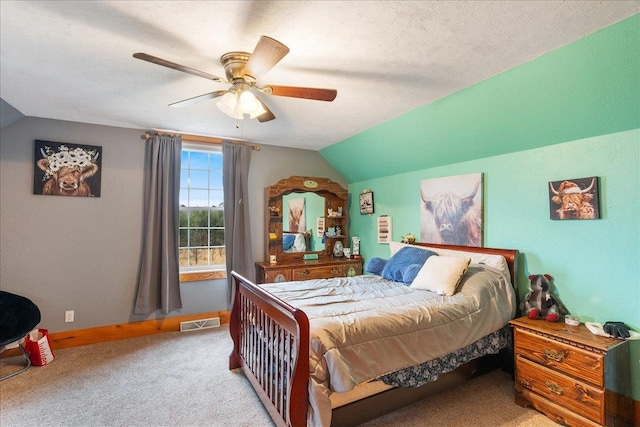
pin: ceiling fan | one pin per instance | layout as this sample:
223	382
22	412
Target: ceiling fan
242	71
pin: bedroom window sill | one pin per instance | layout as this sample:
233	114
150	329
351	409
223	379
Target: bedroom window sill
196	276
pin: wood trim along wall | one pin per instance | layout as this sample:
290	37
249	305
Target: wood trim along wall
100	334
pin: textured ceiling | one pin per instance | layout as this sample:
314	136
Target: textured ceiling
73	60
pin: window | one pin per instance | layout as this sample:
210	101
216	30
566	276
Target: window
201	209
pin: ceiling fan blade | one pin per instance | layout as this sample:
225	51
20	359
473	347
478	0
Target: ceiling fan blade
173	65
268	52
302	92
197	99
267	115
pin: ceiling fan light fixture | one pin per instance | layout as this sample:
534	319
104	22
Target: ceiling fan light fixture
242	70
257	112
251	105
249	102
229	105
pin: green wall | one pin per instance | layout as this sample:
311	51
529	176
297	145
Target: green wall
572	113
588	88
595	263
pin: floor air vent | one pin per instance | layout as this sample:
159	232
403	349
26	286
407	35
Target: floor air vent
196	325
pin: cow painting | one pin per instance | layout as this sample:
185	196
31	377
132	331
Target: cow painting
452	210
574	199
66	170
297	221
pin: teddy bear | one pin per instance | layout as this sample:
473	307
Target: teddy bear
539	302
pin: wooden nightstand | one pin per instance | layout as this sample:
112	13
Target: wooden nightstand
568	373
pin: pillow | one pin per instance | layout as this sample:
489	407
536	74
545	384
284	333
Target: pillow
398	263
375	265
411	272
394	247
287	241
496	261
441	274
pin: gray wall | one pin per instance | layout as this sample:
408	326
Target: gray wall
82	254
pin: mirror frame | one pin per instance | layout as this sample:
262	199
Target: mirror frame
334	195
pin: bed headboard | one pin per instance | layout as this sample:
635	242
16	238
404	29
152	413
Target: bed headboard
510	255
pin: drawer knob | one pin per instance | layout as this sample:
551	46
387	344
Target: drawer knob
304	273
554	388
554	355
335	271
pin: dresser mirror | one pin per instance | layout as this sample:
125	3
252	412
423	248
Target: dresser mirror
300	222
298	211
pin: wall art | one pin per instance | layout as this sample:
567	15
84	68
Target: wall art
384	229
320	227
297	220
574	199
63	169
451	210
366	203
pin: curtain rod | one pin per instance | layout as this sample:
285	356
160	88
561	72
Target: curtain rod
198	138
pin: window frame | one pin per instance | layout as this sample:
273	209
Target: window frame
209	272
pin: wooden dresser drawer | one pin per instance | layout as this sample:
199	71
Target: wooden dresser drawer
322	268
579	397
275	276
571	360
307	273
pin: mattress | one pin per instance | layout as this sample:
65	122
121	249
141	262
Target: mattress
364	327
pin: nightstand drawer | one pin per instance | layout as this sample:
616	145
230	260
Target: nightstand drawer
317	272
579	397
570	360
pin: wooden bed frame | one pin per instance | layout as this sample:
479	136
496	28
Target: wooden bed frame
263	325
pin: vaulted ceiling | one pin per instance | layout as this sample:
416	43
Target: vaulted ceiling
72	60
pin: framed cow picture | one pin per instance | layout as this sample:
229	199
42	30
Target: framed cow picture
576	198
451	210
63	169
366	203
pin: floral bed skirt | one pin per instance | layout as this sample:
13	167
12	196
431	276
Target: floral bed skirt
415	376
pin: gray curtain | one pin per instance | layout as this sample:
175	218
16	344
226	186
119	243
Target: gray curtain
236	158
159	272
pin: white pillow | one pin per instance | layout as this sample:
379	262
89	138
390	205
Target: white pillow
441	274
496	261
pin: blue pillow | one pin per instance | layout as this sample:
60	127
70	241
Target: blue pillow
375	265
287	241
401	260
411	272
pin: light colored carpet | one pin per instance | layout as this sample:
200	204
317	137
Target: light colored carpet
181	379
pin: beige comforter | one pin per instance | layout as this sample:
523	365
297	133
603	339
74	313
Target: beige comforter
366	326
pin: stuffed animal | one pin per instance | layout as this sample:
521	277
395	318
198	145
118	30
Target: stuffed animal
539	302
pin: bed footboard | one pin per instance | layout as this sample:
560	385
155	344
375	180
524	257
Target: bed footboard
271	346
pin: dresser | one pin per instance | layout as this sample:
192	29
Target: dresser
574	377
323	268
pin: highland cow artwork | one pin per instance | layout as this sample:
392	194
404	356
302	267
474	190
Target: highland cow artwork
297	221
451	210
62	169
574	199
